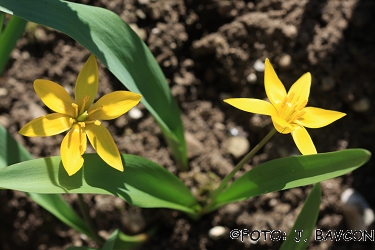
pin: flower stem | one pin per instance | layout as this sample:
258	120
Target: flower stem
86	217
227	178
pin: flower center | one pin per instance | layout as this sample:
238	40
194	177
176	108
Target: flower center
291	108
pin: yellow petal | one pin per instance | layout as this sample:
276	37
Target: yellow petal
54	96
281	125
102	141
87	83
301	88
275	90
303	141
113	105
47	125
72	149
252	105
317	117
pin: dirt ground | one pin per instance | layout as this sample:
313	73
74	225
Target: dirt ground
209	50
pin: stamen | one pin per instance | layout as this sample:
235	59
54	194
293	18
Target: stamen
94	110
75	106
85	100
72	121
302	105
291	96
97	123
82	124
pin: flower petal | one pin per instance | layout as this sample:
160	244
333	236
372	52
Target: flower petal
113	105
252	105
301	88
303	141
281	125
72	148
102	141
275	90
54	96
47	125
317	117
87	83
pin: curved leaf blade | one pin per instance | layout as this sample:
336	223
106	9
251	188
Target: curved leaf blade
143	183
12	152
292	172
116	45
299	236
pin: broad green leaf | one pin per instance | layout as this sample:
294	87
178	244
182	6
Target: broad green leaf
143	183
9	37
12	152
292	172
299	236
119	49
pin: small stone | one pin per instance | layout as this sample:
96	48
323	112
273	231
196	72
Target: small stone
217	232
3	91
238	146
357	212
361	105
135	113
144	2
259	65
290	31
252	78
140	14
285	61
194	146
233	131
327	83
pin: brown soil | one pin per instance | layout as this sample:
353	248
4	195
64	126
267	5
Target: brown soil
207	50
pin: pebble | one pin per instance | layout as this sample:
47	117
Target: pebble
238	146
144	2
328	83
259	65
234	131
361	105
194	146
217	232
135	113
357	212
3	92
252	78
290	31
285	61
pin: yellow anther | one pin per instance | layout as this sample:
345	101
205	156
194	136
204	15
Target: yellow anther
85	100
82	124
72	121
97	123
75	106
94	110
291	96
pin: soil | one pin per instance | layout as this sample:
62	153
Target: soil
209	50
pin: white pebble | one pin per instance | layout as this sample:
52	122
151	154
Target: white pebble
357	212
135	113
217	232
252	78
259	65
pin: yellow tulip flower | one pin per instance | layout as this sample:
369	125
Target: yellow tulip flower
81	117
288	111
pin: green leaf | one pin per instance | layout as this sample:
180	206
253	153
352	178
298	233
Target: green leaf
12	152
120	241
143	183
292	172
119	49
9	37
299	236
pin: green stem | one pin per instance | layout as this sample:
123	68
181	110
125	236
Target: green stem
2	18
227	178
88	221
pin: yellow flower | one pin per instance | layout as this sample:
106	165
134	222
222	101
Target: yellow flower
81	117
287	110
